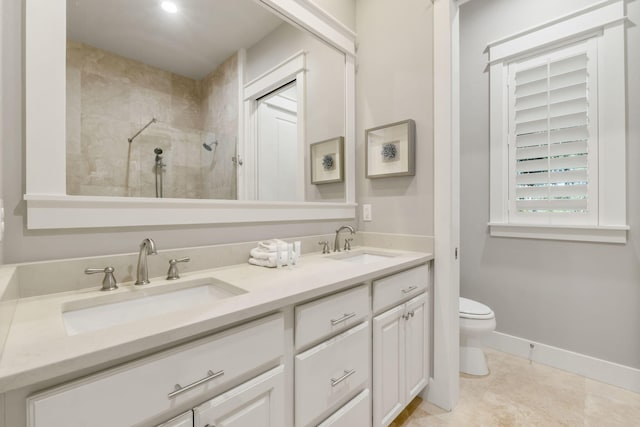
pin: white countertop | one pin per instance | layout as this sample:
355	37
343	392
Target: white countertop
38	349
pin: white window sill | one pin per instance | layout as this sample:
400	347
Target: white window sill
603	234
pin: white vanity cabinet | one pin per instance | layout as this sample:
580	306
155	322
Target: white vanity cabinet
182	420
331	374
400	344
352	414
140	391
256	403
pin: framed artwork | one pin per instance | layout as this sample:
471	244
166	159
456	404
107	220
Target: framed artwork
327	161
390	150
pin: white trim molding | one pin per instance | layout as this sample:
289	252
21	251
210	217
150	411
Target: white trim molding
577	363
604	25
561	232
47	211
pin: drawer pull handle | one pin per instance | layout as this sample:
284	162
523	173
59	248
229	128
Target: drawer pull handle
409	289
347	374
179	389
343	318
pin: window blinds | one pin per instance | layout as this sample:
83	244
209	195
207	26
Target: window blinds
550	134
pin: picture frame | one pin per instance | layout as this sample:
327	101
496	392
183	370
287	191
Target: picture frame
327	161
390	150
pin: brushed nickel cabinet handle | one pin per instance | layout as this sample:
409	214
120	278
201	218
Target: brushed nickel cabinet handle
409	289
343	318
347	374
179	389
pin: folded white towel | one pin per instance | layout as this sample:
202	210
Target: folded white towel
271	245
271	262
260	253
262	262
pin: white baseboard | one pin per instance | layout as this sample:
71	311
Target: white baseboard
587	366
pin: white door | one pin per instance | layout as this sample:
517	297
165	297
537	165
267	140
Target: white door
388	365
416	346
257	403
277	150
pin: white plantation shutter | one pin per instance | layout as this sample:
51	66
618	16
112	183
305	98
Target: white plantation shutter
553	136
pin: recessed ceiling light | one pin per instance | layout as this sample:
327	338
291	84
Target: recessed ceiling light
169	6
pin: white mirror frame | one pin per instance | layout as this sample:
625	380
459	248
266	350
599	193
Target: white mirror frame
48	205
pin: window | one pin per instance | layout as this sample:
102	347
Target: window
558	129
553	163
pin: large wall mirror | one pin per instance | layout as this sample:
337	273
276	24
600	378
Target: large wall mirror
195	112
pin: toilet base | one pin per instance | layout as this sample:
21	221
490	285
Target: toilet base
472	358
473	361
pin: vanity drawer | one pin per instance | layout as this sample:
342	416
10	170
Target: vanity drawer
140	391
356	412
327	375
398	287
329	315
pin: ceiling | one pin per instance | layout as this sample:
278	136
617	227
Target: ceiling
191	42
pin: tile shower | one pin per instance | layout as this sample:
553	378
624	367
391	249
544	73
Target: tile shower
110	98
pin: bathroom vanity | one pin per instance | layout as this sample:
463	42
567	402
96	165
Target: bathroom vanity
339	340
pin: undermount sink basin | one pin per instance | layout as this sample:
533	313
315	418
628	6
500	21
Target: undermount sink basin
102	312
361	257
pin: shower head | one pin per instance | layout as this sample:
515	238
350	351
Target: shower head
158	151
208	146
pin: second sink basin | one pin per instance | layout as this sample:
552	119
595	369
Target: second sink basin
105	311
361	257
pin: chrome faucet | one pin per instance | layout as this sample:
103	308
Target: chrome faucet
147	247
336	243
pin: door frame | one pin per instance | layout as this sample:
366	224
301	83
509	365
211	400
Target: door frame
290	70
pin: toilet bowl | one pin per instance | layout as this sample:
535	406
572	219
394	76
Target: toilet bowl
476	322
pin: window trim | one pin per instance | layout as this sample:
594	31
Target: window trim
606	22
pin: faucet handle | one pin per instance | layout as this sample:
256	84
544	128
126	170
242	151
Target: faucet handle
109	281
347	243
172	274
325	246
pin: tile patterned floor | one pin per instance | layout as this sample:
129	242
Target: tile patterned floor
519	393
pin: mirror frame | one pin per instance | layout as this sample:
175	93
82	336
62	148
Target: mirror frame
48	205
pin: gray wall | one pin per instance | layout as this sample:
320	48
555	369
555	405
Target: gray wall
2	108
343	10
583	297
394	82
324	91
23	245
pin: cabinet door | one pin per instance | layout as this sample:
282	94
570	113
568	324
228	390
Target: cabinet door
356	412
388	366
182	420
257	403
416	345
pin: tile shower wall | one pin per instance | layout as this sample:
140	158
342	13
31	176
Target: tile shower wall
110	98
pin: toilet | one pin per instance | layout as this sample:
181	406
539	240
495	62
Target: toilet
476	322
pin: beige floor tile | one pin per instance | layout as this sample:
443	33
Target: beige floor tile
519	393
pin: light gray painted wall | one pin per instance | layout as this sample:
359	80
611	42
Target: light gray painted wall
394	82
324	89
343	10
583	297
2	109
22	245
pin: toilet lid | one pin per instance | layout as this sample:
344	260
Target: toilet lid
471	309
